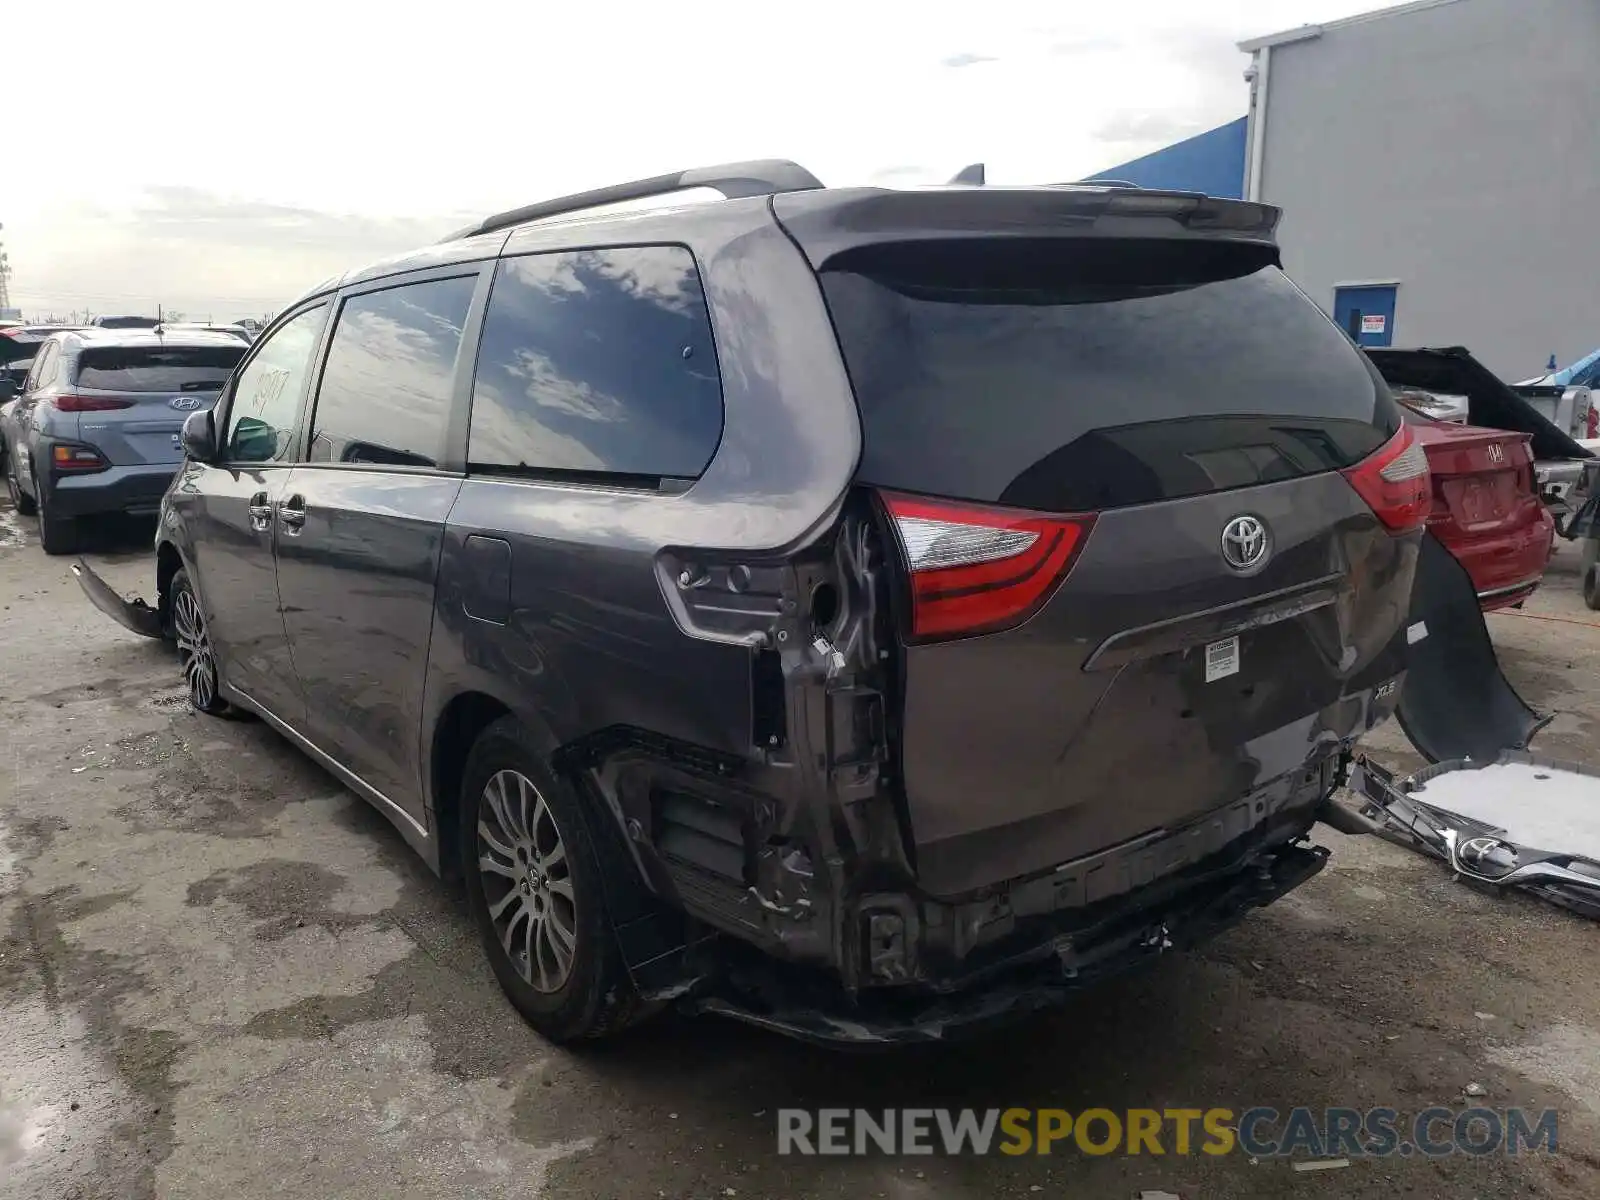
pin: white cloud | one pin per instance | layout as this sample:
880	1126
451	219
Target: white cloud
223	158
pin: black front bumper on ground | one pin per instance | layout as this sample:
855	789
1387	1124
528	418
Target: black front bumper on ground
130	614
762	993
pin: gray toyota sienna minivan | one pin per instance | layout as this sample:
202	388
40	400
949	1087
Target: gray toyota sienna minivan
865	613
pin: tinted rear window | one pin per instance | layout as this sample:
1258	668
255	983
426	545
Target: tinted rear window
1089	374
126	323
158	368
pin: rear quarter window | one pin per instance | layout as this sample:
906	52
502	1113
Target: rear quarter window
158	369
597	363
1095	374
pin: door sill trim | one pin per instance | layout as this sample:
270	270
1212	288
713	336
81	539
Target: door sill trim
325	760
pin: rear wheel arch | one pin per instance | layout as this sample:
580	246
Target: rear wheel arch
460	723
168	563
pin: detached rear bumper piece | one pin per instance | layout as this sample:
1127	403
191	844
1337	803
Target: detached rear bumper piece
1456	703
130	614
783	999
1519	821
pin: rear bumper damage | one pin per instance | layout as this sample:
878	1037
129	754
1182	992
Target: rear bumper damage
1169	916
130	614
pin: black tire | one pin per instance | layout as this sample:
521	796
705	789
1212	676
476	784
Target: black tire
195	652
57	535
595	997
19	498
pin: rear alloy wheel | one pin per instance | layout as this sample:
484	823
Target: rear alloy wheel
20	499
533	885
57	535
195	654
525	868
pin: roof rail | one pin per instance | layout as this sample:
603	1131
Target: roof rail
1110	183
762	177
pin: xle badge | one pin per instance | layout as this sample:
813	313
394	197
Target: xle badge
1222	659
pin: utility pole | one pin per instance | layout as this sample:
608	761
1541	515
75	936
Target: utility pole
5	278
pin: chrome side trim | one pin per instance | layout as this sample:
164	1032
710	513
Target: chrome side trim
345	776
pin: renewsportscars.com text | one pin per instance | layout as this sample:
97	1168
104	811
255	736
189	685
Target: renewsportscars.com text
1259	1132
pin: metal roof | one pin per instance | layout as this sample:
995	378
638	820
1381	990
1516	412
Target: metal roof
1307	32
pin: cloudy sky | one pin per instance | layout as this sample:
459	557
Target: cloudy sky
221	158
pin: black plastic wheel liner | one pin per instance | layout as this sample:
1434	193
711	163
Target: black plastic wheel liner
1456	702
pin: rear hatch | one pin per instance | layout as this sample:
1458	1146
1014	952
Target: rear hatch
132	400
1486	509
1124	478
1482	480
18	347
1492	403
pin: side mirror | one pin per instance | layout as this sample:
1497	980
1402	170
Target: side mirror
199	437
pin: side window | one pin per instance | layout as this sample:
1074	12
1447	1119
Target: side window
597	362
44	366
266	394
386	389
29	380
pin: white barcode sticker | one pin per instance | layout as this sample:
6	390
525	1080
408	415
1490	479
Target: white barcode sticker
1416	633
1222	659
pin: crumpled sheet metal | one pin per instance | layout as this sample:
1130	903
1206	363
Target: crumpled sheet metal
1520	821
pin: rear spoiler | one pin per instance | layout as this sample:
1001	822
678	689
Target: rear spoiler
831	222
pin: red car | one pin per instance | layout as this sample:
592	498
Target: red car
1486	510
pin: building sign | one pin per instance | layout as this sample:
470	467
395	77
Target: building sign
1373	324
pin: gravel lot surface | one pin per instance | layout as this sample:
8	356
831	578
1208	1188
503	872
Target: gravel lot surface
221	975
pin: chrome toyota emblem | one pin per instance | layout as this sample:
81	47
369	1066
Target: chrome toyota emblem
185	403
1245	544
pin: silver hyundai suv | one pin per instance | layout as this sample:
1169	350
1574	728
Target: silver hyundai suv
95	428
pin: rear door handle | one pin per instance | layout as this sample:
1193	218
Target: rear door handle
292	513
260	513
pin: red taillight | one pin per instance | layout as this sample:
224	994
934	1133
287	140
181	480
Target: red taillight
976	569
90	403
76	458
1394	481
1592	423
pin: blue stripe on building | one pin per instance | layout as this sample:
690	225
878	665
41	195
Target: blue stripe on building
1210	162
